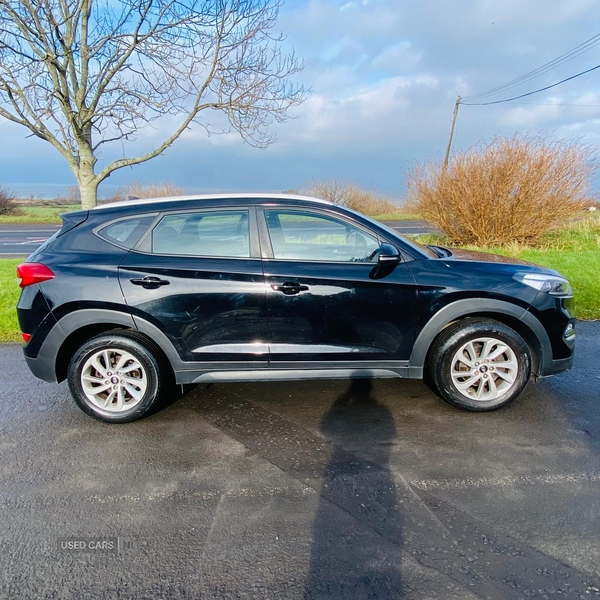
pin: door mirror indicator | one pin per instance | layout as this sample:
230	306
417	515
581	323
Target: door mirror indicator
388	255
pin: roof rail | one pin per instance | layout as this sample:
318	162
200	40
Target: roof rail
142	201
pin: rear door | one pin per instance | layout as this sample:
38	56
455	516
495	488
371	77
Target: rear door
197	275
330	305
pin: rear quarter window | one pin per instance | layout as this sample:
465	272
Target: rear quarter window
126	232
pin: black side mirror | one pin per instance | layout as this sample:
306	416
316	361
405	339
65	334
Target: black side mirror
388	255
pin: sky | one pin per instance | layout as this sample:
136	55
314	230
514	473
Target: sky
384	76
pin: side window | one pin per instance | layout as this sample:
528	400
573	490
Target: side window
126	232
224	234
297	235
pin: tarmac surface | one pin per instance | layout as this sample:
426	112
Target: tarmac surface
331	489
20	240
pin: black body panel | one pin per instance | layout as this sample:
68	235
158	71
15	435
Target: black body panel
212	309
345	313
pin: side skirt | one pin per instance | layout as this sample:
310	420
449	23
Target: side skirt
216	376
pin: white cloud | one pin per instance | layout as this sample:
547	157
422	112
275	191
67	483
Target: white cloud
385	75
398	58
531	116
377	113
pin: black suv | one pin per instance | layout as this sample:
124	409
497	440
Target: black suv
129	299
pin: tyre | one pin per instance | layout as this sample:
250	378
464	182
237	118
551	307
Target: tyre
479	364
117	378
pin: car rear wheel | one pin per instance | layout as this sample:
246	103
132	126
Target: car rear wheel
116	378
479	364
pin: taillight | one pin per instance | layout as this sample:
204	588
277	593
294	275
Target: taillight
26	337
30	273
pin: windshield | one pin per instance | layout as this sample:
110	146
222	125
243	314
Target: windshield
424	249
421	248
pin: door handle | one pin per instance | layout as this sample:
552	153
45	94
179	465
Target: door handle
150	283
289	288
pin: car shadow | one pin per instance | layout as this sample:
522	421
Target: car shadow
173	394
357	530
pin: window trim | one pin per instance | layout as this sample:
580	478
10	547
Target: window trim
267	247
254	244
96	231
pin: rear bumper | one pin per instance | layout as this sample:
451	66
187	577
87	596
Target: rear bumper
42	368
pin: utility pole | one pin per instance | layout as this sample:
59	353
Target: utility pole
447	157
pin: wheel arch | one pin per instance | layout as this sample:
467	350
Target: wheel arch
516	317
75	328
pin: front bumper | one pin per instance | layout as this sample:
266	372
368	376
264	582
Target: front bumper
553	367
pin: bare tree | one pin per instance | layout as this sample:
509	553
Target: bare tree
80	74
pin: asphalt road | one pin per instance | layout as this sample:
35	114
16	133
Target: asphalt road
306	490
18	241
21	240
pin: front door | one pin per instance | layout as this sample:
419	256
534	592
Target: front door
329	304
198	277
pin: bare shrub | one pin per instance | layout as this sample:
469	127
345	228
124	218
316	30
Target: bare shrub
350	195
138	189
507	190
71	196
8	206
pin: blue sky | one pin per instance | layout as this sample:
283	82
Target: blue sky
384	76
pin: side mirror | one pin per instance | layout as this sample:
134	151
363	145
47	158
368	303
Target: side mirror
388	255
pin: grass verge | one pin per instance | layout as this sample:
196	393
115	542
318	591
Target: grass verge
581	268
398	215
38	214
9	295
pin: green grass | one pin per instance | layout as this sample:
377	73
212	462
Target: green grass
398	215
581	268
39	214
9	295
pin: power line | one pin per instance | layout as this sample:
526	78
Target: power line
549	104
533	92
562	59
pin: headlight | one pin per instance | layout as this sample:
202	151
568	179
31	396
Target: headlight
551	284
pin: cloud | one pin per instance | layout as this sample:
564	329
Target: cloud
531	116
398	58
384	76
376	113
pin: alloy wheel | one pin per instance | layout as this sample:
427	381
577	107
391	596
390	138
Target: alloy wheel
113	380
484	369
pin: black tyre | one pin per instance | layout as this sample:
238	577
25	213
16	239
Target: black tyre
117	378
479	364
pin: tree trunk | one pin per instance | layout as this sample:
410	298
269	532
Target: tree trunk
87	179
88	190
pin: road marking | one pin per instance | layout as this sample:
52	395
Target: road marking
423	484
202	494
28	230
457	484
28	241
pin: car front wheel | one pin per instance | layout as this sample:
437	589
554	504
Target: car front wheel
116	378
479	364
